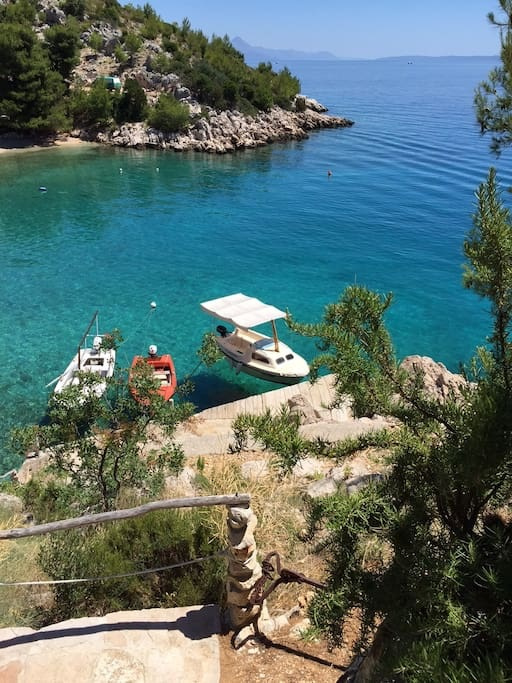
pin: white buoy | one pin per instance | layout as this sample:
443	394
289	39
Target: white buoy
157	170
120	170
153	304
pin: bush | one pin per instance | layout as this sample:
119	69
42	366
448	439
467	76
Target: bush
95	42
132	43
120	54
169	115
94	107
155	540
74	7
132	104
162	64
151	28
47	501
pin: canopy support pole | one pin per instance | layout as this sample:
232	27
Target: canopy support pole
274	333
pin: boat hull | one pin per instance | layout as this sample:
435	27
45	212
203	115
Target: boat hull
163	371
266	375
100	364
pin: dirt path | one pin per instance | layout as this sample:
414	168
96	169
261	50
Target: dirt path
284	658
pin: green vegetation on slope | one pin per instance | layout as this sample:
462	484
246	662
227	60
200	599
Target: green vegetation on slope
39	91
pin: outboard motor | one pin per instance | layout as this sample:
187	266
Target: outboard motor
152	350
96	343
222	330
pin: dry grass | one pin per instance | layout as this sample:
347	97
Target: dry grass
18	562
278	504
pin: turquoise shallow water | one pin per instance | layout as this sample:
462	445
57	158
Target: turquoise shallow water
179	229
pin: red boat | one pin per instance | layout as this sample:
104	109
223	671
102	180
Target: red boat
163	372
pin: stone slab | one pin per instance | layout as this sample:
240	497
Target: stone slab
178	644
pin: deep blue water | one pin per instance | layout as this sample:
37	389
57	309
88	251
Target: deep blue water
182	228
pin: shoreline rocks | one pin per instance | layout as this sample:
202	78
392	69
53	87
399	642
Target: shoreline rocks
221	132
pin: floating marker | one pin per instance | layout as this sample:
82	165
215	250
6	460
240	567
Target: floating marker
153	304
42	189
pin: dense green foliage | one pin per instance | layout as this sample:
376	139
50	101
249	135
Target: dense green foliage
493	98
30	90
156	540
133	103
169	115
62	43
425	557
36	75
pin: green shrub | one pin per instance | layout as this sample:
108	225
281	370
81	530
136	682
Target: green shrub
95	42
132	43
155	540
132	105
120	55
162	64
92	108
151	28
48	501
75	8
169	115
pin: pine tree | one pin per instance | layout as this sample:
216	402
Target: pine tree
424	558
30	91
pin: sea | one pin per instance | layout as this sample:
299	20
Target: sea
386	204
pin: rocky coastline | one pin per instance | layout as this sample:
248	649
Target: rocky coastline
222	132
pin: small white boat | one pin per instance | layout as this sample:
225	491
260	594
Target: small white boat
89	358
249	351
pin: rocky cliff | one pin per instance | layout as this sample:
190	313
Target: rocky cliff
221	132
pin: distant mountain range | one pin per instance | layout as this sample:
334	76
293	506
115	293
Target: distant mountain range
254	54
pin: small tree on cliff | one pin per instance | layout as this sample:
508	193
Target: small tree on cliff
493	98
425	557
98	444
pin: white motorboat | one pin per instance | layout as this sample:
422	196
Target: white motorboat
262	356
90	357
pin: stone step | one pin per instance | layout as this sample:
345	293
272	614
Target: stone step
179	644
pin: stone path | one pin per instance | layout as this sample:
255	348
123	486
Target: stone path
209	432
146	646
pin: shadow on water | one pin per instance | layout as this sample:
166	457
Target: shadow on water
211	389
223	385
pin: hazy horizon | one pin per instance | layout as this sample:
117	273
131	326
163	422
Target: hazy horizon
370	30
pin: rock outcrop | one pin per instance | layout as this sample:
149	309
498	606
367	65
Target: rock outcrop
437	380
222	132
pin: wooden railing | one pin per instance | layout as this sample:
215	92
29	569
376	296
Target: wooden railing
242	500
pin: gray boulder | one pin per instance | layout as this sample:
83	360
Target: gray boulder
10	502
300	406
438	381
321	488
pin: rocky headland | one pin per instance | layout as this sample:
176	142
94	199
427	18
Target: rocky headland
222	132
103	55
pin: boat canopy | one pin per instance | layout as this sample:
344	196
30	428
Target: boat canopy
242	311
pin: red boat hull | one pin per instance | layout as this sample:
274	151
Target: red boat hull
163	371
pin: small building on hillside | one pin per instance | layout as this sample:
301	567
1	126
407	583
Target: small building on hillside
111	82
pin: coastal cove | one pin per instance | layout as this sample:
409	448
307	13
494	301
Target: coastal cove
119	228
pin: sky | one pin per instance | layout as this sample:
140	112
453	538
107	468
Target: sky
362	29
